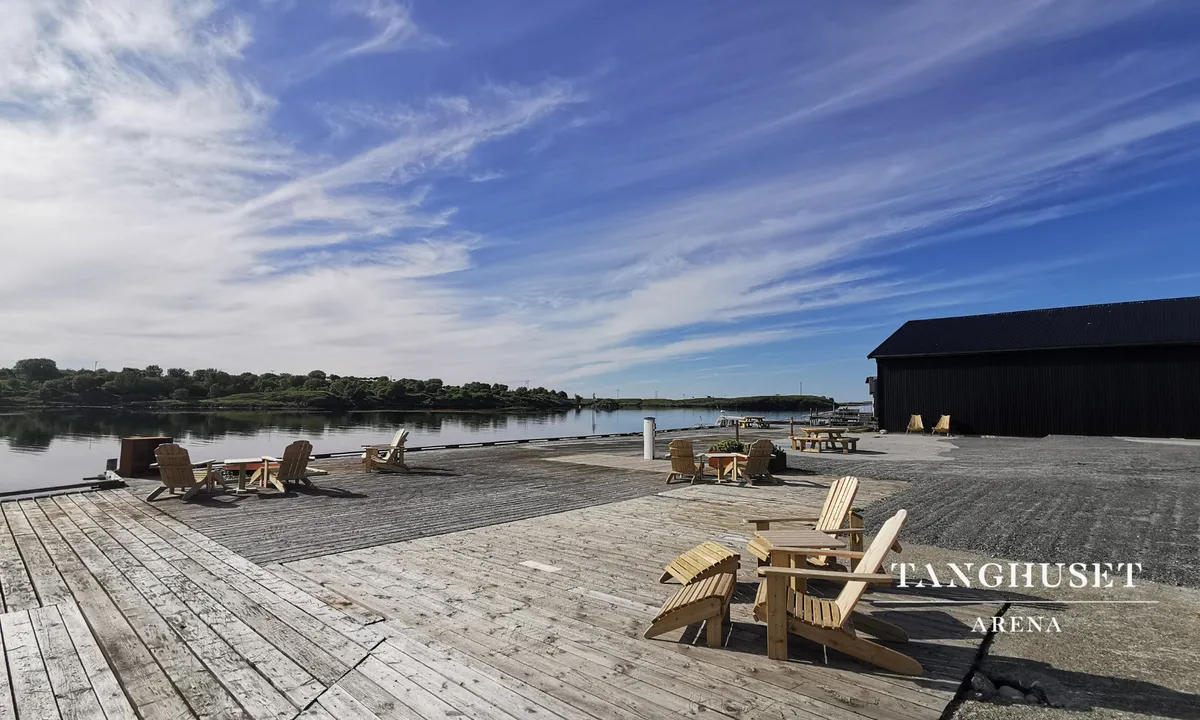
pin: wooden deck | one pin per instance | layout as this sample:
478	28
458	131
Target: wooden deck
552	610
115	608
351	509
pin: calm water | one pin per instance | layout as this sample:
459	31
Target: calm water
39	449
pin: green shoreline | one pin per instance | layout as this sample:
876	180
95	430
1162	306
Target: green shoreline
777	403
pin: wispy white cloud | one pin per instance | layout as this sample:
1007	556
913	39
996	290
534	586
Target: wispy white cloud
387	27
485	176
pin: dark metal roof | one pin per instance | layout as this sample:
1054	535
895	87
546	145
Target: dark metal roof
1150	322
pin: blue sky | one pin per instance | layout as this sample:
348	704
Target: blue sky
682	198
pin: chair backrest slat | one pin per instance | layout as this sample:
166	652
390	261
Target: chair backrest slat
683	457
837	503
871	561
174	466
294	463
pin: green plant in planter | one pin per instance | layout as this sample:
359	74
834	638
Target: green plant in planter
729	446
778	459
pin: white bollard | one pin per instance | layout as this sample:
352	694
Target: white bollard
648	438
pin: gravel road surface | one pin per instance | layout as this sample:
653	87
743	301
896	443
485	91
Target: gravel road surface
1055	499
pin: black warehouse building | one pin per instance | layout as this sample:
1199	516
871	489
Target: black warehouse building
1118	369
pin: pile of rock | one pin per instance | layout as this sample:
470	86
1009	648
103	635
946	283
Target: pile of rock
1016	687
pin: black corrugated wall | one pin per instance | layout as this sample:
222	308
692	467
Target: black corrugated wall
1141	392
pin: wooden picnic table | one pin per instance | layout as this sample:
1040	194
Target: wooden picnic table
721	469
815	437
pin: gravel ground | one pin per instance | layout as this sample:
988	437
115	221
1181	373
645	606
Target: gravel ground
1056	499
1109	660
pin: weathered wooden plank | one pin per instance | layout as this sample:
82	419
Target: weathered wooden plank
422	702
100	676
315	712
243	679
47	581
343	706
377	700
32	694
7	710
203	692
16	587
431	664
336	632
260	656
72	689
325	595
143	679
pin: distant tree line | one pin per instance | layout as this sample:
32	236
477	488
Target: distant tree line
39	381
778	403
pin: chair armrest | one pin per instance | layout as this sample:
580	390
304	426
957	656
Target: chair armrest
828	552
202	462
781	519
845	531
802	573
268	458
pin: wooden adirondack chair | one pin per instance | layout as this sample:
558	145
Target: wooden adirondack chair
915	424
177	472
835	513
291	468
388	458
834	623
758	462
683	462
704	601
943	426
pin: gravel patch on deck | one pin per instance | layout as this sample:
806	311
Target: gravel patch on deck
1055	499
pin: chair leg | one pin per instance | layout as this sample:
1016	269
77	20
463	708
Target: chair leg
714	629
777	618
157	491
187	495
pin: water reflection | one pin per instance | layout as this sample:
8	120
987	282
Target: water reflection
35	431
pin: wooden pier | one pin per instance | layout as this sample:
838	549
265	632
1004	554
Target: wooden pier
488	583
